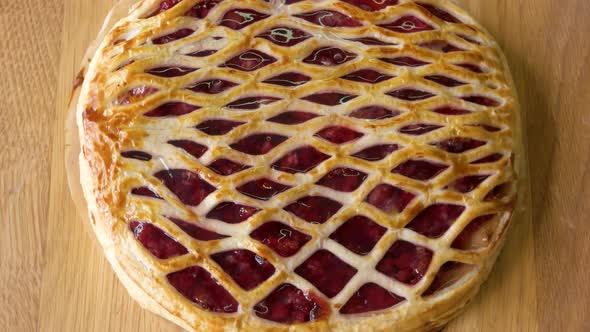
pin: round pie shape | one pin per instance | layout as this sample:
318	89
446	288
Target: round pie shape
312	165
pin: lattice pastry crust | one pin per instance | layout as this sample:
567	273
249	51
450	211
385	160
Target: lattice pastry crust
312	165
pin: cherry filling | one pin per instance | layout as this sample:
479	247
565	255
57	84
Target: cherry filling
194	149
489	159
258	144
329	18
372	5
436	219
197	232
329	56
197	285
202	9
444	80
227	167
135	94
145	191
371	41
240	18
458	144
164	6
477	234
284	240
410	94
288	79
370	297
189	187
249	61
202	54
285	36
420	169
440	46
450	110
482	100
156	241
301	160
288	304
468	183
330	98
388	198
169	72
293	117
500	191
377	152
448	275
338	135
343	179
213	86
314	209
470	66
218	127
407	24
489	128
367	76
262	189
405	61
179	34
232	213
442	14
405	262
419	129
359	234
252	103
172	109
374	112
138	155
246	268
328	273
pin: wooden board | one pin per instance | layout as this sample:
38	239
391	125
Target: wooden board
55	277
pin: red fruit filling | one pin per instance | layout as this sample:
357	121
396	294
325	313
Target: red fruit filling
170	71
246	268
329	56
262	189
285	36
179	34
251	103
156	241
212	86
172	109
301	160
482	100
314	209
202	9
288	304
197	232
367	76
371	41
284	240
440	13
218	127
444	80
440	46
377	152
189	187
407	24
459	144
227	167
288	79
419	129
420	169
330	98
343	179
328	273
329	18
145	191
139	155
448	275
410	94
338	135
489	159
135	94
468	183
372	5
388	198
477	234
293	117
405	262
370	297
194	149
232	213
405	61
436	219
470	66
374	113
249	61
359	234
258	144
450	110
240	18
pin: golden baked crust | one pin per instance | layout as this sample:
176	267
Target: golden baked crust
112	122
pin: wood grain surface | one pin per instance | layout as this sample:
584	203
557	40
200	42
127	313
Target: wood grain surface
54	277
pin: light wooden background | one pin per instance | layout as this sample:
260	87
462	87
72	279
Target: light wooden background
53	276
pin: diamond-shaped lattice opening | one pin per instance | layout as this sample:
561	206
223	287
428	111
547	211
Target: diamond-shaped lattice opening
137	155
405	61
249	61
469	39
374	112
372	5
477	234
371	41
489	128
176	35
328	273
410	94
330	98
289	79
376	152
232	213
211	86
285	36
370	297
359	234
193	148
388	198
338	134
440	46
246	268
418	129
202	53
135	94
196	284
258	144
489	159
407	24
314	209
444	80
482	100
471	67
197	232
227	167
169	72
172	109
367	76
468	183
451	110
459	144
343	179
288	304
436	219
262	189
293	117
448	275
301	160
216	127
440	13
419	169
156	241
282	239
252	103
145	192
405	262
499	192
240	18
329	18
202	9
329	56
164	6
189	187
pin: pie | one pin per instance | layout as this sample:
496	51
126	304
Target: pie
300	165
